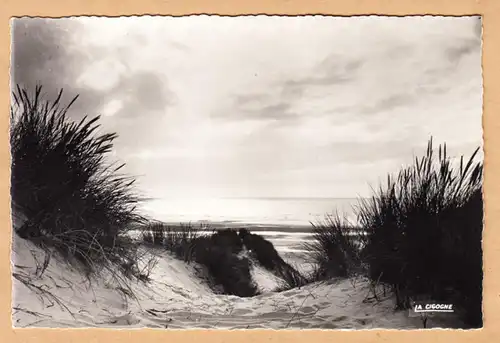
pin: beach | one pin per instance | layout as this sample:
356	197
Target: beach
284	213
175	298
246	172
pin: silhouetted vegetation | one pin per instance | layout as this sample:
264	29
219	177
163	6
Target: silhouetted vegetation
71	197
267	256
179	240
424	233
420	234
219	253
335	248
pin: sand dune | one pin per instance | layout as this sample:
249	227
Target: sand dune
176	298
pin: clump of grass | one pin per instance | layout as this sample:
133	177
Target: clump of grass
335	248
154	233
72	199
182	240
291	277
179	240
425	230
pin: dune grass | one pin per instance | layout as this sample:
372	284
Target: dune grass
71	197
425	230
335	248
420	234
179	240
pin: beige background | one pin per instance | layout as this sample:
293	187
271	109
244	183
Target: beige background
489	9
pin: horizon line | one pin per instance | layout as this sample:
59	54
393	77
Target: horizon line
263	197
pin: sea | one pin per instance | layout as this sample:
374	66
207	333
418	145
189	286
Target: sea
286	222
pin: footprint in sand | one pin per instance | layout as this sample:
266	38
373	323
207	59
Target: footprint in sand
339	319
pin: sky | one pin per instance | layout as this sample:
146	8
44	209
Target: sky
263	106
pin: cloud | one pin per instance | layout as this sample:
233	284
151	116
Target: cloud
264	105
44	53
396	74
142	91
278	99
389	103
281	111
54	53
42	50
335	69
456	53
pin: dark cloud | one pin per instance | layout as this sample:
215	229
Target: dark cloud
278	111
389	103
143	103
466	46
43	54
277	104
263	106
453	54
41	49
341	114
333	70
281	112
143	91
46	52
245	99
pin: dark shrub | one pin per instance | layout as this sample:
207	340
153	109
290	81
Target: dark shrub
424	233
217	252
224	266
262	249
229	239
73	200
268	257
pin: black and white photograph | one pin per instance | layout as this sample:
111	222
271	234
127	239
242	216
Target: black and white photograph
247	172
